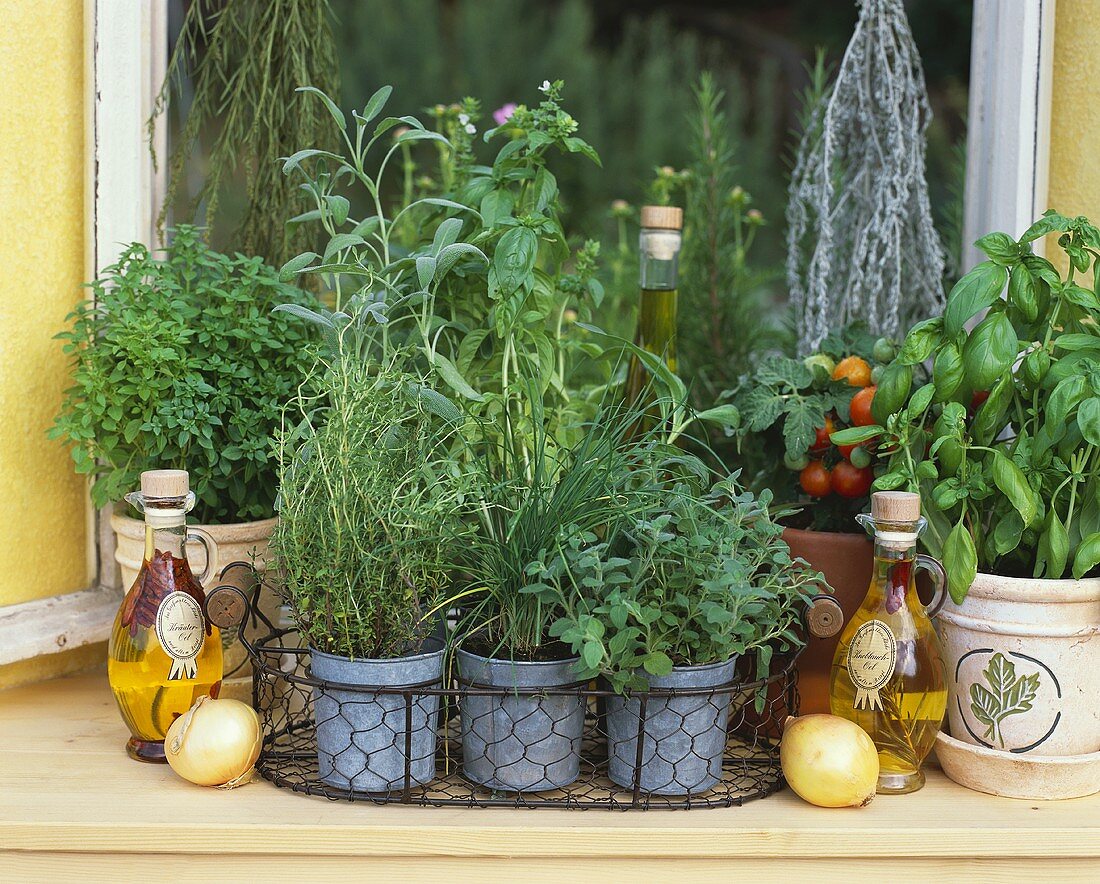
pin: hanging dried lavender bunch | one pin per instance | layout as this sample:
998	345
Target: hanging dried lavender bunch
860	243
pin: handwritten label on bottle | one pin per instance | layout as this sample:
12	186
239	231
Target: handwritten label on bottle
872	656
180	632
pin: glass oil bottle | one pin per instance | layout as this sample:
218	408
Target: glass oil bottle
888	674
659	251
163	652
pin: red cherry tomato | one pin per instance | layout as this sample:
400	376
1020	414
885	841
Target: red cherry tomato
821	442
860	409
977	399
815	479
850	481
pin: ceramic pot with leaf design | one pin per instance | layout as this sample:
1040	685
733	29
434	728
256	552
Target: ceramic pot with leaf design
1023	660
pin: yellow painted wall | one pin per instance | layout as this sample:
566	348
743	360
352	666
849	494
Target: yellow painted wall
1075	112
42	509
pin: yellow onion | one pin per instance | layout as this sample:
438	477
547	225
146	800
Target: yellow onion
829	761
215	743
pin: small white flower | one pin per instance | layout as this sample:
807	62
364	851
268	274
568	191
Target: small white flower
545	87
470	128
463	119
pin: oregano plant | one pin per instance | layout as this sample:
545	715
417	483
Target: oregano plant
180	363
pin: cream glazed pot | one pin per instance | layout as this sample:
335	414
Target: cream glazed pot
1023	660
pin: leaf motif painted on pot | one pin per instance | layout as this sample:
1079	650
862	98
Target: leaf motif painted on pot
1007	695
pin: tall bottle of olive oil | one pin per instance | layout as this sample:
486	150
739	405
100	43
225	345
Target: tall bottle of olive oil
888	674
659	251
163	652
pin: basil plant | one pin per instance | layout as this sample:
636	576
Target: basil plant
1003	442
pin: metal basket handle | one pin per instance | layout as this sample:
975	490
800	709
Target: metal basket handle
823	617
229	604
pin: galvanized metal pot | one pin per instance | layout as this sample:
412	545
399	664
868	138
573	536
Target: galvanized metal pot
523	740
362	735
683	737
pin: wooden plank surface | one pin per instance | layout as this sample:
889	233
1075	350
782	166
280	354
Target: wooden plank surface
67	791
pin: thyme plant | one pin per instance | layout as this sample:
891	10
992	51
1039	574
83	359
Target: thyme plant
367	505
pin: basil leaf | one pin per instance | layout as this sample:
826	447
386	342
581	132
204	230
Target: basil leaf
1021	292
922	339
947	372
1050	557
977	290
989	351
1000	247
960	560
1088	419
1010	479
1087	556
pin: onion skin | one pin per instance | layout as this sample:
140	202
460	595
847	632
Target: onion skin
215	743
829	761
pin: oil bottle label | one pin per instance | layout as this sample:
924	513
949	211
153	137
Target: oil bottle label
180	632
872	656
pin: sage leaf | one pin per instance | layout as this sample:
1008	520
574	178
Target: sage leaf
453	378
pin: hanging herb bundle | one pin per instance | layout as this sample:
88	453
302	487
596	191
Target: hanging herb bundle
246	59
861	242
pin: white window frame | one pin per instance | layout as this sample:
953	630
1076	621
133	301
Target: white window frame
125	58
1008	125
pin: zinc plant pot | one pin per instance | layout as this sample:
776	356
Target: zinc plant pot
520	740
847	562
1023	665
362	734
683	737
237	542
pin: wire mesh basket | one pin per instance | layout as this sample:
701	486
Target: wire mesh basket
449	728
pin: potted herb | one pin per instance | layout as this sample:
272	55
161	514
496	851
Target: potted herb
691	586
179	363
529	739
793	406
362	544
1004	446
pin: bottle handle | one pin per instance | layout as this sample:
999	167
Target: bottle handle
939	581
211	547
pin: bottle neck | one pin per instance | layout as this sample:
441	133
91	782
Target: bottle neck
895	552
659	252
165	531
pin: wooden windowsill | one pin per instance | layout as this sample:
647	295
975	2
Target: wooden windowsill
72	802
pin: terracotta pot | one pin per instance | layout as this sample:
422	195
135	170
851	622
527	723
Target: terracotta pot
1023	665
846	561
237	542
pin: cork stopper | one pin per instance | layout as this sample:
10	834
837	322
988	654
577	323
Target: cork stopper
663	217
164	483
895	506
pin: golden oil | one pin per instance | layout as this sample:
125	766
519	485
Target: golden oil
888	674
163	652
